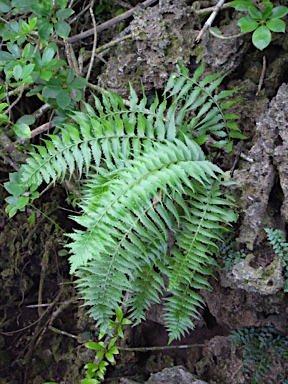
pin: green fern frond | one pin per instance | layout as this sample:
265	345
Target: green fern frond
152	205
130	193
206	110
123	221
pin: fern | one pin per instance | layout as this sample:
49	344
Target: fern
152	205
261	346
280	247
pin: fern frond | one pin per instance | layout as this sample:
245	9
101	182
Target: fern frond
193	257
205	109
128	194
152	205
122	220
108	136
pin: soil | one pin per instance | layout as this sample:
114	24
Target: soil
44	325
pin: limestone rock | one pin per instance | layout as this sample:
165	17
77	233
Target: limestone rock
264	183
264	280
161	35
174	375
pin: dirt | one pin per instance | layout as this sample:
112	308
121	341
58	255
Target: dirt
43	326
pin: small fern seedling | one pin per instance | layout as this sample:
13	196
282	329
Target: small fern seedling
280	247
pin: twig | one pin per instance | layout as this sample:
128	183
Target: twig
123	4
112	43
80	13
8	110
35	132
110	23
41	110
226	37
160	348
210	20
210	9
94	44
262	76
72	61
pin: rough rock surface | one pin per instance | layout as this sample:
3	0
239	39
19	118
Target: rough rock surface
264	280
262	205
239	308
161	35
225	54
174	375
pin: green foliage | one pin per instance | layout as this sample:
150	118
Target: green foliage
105	352
260	347
263	19
153	207
229	252
48	18
30	61
280	247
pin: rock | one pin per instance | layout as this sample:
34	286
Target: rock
225	54
161	35
264	280
220	363
174	375
264	183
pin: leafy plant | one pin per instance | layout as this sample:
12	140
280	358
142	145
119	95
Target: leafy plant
152	207
280	247
105	351
49	17
230	253
30	60
260	347
263	19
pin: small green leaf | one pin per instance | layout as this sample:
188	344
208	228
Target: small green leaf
5	57
63	98
22	130
95	346
50	93
78	83
32	22
255	13
62	252
26	119
48	54
5	6
241	5
14	49
64	13
279	11
100	354
91	366
119	314
90	381
17	72
261	38
276	25
267	11
46	75
120	331
126	321
45	31
247	24
22	202
110	357
27	70
112	343
62	29
62	3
